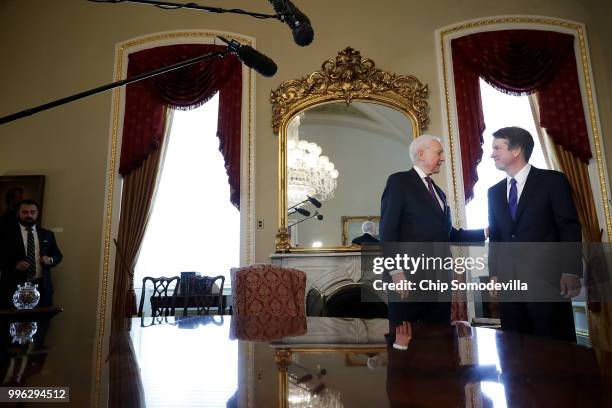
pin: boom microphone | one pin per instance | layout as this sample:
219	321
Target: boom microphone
252	58
296	20
301	211
314	201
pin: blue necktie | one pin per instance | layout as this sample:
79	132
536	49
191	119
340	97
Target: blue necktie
512	198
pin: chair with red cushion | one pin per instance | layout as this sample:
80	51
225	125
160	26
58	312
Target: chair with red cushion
268	290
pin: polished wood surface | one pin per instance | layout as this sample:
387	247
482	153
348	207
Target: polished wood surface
195	361
55	356
38	313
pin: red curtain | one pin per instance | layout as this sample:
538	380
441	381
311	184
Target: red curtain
186	88
518	62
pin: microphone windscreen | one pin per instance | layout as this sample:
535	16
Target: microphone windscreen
301	28
314	202
257	61
320	217
303	34
302	211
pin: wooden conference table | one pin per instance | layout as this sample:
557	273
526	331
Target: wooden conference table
224	361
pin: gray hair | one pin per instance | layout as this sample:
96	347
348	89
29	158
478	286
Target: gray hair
368	227
418	144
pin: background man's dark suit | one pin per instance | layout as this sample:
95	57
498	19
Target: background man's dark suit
409	214
364	238
8	221
13	251
545	213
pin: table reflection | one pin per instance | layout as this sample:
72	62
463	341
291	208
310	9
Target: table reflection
443	366
332	362
23	351
187	361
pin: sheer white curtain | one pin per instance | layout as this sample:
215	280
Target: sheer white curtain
193	225
500	110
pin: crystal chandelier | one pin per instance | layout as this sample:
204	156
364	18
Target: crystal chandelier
308	173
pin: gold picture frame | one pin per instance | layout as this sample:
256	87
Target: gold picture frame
31	187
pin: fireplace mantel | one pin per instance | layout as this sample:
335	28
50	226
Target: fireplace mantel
325	271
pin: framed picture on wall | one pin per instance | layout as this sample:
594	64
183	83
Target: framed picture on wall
26	187
351	226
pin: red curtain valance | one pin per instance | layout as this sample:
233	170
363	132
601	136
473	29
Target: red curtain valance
186	88
518	62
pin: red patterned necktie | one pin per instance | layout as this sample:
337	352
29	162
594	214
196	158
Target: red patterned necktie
430	187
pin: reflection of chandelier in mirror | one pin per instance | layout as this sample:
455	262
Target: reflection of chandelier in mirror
301	397
306	389
308	173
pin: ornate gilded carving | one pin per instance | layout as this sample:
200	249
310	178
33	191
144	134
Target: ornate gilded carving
349	76
283	240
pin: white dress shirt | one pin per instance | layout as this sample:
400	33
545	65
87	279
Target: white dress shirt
423	175
24	235
521	179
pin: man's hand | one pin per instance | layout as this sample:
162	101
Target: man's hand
493	292
46	260
570	285
403	335
397	278
22	266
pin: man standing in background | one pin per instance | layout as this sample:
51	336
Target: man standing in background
28	254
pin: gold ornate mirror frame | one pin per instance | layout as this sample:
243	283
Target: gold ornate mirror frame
349	77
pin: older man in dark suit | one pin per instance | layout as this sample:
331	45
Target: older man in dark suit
369	234
533	206
414	210
28	254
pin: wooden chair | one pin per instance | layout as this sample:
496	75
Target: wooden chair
200	292
162	302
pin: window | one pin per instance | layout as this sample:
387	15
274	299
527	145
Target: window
193	226
500	110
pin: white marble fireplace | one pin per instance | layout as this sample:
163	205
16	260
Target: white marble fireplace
328	273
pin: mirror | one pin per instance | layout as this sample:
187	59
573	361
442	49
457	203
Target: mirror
341	155
342	131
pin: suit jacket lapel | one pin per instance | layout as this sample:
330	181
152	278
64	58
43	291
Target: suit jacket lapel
426	197
530	184
19	242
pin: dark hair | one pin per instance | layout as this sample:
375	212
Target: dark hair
10	195
516	137
28	202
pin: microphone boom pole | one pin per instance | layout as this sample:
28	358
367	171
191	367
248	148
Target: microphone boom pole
192	6
112	85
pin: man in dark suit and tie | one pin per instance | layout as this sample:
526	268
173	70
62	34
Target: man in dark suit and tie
28	254
414	210
534	206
